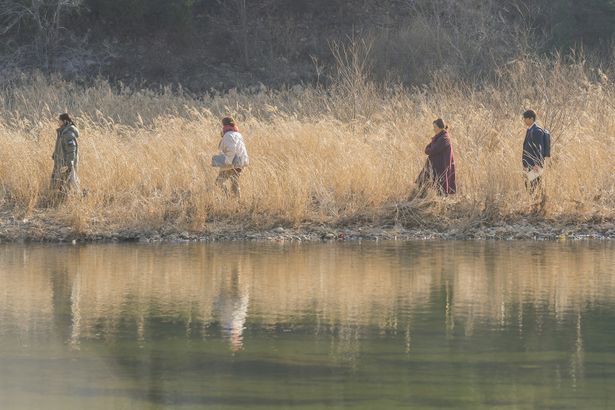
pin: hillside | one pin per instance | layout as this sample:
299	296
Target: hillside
204	44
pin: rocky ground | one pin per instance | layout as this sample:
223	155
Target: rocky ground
20	230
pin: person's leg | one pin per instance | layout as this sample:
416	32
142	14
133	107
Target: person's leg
536	190
62	186
221	180
235	182
54	181
539	188
439	184
73	183
535	185
532	185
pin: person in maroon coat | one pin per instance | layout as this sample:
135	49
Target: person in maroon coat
439	170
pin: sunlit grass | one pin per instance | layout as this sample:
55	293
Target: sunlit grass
320	156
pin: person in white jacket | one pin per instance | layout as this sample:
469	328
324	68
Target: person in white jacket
233	149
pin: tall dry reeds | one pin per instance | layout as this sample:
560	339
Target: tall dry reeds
145	155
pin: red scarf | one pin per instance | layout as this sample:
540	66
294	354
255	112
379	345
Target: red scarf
228	128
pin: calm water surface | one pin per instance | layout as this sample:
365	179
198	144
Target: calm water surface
366	326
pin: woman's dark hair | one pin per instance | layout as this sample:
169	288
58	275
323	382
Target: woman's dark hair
228	121
530	114
66	118
440	124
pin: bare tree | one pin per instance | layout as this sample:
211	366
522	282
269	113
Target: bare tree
352	76
243	21
239	8
249	24
45	19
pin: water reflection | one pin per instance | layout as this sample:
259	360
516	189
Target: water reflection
99	286
231	308
355	300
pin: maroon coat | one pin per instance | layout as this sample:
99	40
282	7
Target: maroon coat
442	163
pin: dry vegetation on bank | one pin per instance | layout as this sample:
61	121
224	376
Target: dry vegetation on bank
338	156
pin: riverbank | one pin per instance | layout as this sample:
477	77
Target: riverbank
48	230
322	164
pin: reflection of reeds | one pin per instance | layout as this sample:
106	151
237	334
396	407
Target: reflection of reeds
557	280
342	286
26	293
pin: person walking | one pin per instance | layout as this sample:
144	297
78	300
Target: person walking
65	158
536	148
439	169
233	157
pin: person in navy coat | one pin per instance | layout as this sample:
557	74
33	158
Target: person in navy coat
535	149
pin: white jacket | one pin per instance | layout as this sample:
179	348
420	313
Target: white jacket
234	150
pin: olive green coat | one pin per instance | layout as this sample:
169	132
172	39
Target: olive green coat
66	152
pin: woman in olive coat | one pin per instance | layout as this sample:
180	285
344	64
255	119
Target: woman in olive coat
65	157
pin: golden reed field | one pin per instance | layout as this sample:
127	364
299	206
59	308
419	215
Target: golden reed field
338	155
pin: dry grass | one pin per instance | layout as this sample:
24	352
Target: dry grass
315	156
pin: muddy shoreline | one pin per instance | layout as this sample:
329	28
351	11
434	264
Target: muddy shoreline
13	230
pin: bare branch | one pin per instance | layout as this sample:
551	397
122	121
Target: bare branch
45	15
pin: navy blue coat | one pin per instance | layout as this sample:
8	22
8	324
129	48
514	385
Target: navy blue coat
534	147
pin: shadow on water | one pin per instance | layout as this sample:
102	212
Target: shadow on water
430	324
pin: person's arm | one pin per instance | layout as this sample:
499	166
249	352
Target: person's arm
69	146
539	143
227	148
546	147
437	146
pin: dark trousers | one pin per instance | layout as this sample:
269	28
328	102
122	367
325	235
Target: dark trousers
534	186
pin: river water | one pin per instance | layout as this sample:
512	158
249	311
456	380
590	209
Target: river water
425	325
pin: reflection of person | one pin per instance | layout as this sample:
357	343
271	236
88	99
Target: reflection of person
233	150
439	170
534	146
65	157
238	320
232	306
